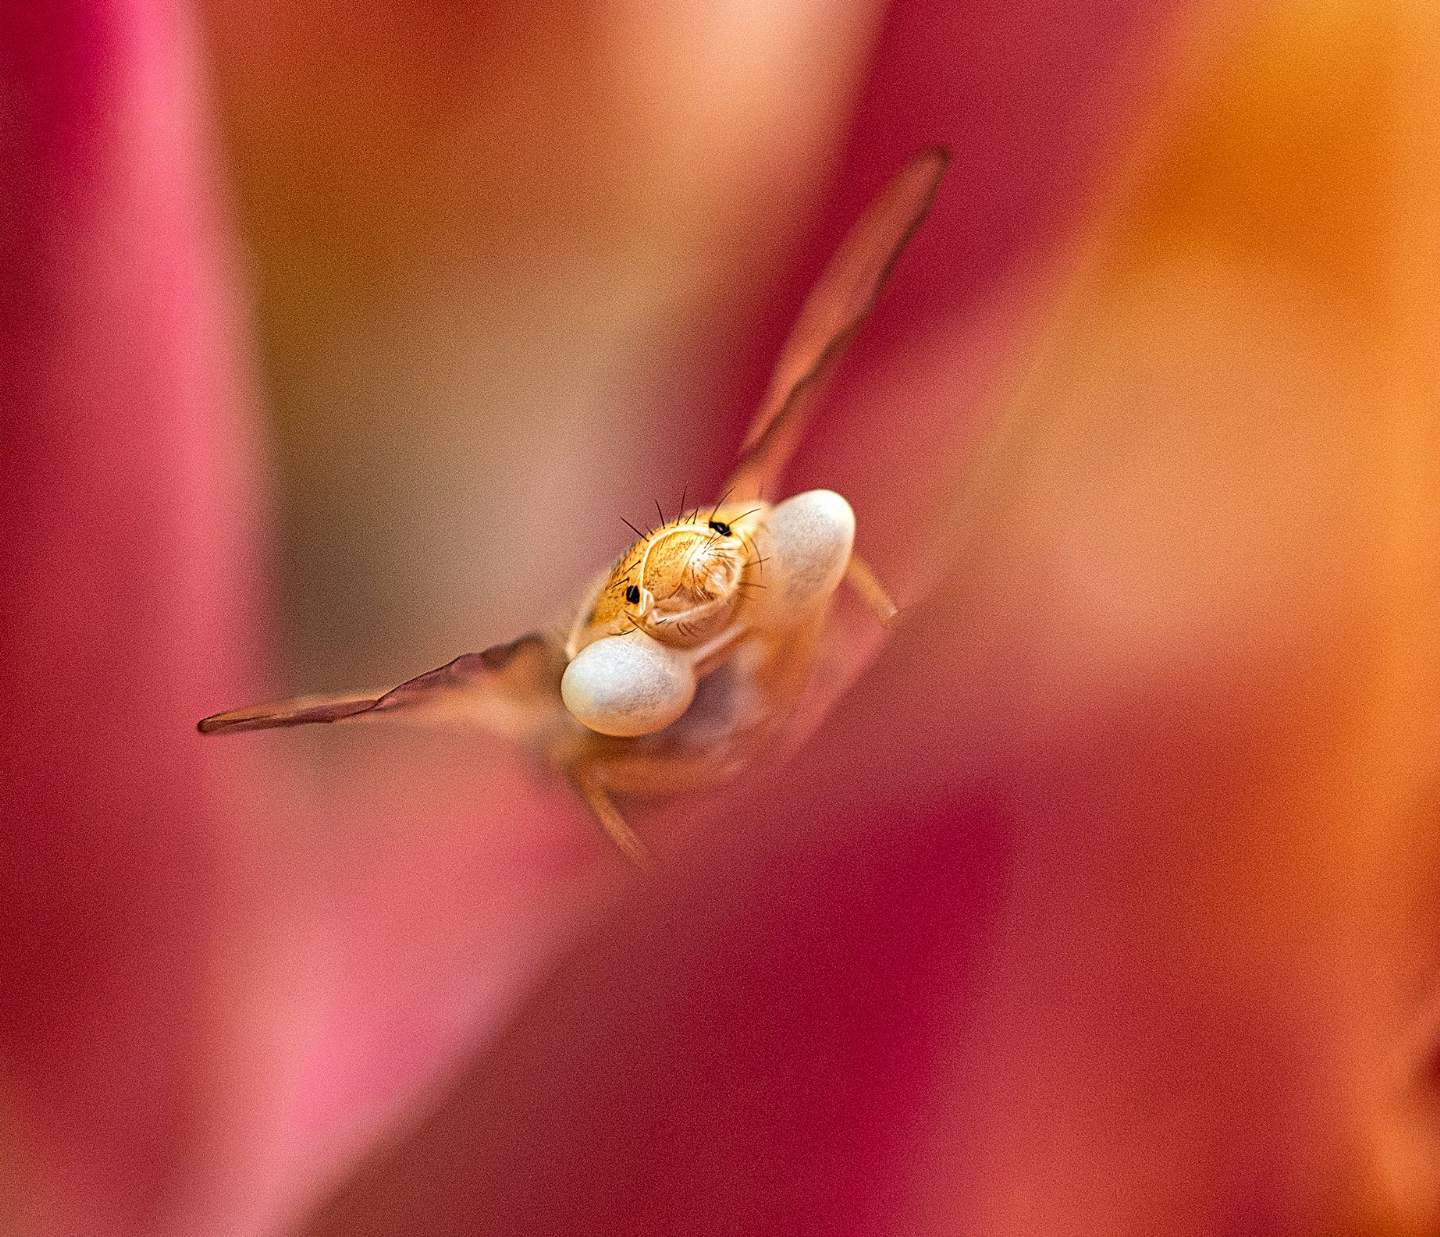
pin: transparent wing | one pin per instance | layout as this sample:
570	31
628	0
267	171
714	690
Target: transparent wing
468	689
838	303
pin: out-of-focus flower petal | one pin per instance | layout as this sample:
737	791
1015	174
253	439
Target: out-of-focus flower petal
128	600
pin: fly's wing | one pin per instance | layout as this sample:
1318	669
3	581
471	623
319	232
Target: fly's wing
478	688
838	303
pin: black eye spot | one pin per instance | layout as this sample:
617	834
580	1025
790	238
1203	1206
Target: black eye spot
632	594
720	527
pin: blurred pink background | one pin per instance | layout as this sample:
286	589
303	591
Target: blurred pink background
336	342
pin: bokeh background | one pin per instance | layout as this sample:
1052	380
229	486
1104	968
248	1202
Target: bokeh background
336	341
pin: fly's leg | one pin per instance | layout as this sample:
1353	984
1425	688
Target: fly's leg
859	576
603	808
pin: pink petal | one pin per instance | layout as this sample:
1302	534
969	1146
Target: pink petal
128	600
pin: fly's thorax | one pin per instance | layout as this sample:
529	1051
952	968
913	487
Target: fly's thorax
681	584
689	584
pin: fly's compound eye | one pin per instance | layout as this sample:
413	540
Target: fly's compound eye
632	595
720	527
